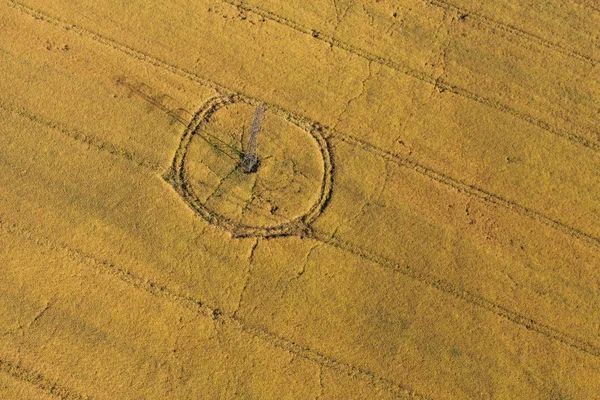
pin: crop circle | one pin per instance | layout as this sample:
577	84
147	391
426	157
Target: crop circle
285	192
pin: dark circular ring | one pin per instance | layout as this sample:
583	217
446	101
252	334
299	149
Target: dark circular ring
299	226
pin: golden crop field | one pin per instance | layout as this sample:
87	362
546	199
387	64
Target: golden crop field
420	220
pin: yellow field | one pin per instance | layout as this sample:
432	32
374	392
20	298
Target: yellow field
423	223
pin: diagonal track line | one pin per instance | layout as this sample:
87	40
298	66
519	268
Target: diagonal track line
331	40
430	280
472	191
515	31
81	137
521	320
39	15
466	296
466	189
25	375
437	82
408	271
202	308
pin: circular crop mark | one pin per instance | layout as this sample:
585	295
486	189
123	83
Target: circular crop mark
281	195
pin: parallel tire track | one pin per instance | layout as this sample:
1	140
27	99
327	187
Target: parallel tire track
429	280
472	191
436	283
468	190
319	358
38	380
434	81
466	296
81	137
202	308
331	40
516	31
39	15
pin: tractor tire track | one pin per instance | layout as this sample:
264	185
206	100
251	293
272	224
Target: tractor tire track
208	311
